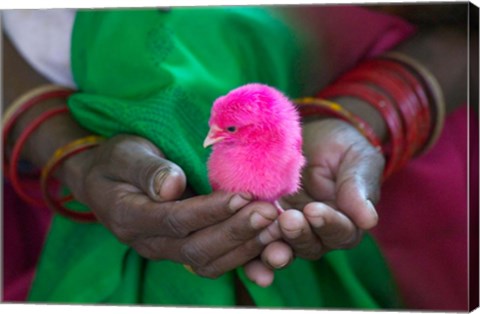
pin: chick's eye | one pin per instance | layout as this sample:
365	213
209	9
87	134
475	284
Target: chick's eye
231	129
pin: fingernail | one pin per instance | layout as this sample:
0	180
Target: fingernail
270	234
238	201
169	184
292	234
283	264
258	221
315	213
373	212
162	183
294	226
371	208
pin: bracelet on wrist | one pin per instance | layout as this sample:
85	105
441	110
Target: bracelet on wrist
310	106
25	102
57	204
403	92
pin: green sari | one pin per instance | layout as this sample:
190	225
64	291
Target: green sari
155	74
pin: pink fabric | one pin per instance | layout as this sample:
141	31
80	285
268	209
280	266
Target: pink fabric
24	230
423	212
423	222
353	33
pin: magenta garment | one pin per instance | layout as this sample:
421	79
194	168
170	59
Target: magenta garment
24	230
423	222
423	208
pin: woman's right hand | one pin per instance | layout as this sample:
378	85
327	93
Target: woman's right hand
133	190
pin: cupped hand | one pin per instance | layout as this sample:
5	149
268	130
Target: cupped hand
134	191
341	184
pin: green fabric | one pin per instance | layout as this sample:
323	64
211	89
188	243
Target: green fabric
155	74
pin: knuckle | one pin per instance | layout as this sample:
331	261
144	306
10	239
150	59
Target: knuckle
193	255
309	250
344	240
175	227
153	248
118	224
123	234
210	271
233	234
352	241
253	247
145	249
312	254
337	237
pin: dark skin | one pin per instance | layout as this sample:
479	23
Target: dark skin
143	199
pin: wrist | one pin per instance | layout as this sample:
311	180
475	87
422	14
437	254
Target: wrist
73	171
51	134
389	100
367	113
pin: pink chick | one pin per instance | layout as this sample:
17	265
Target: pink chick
257	144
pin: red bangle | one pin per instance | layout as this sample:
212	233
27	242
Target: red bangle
433	91
52	165
310	106
12	169
24	103
405	104
415	87
412	81
396	144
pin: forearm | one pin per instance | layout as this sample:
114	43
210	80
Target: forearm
59	130
443	52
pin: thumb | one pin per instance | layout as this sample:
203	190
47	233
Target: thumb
137	161
165	181
358	186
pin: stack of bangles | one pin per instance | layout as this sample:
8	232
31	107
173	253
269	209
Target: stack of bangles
48	184
405	94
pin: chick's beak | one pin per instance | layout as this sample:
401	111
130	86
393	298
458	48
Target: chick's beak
213	136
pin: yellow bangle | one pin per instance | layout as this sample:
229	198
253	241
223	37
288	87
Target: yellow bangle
189	268
435	91
310	106
20	102
57	158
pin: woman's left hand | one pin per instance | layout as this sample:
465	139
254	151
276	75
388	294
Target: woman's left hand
341	182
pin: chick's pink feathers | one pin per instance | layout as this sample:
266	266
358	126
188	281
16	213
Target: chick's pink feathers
257	143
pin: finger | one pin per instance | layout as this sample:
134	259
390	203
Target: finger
296	231
167	248
358	179
277	255
318	182
333	228
237	257
137	214
358	186
260	274
210	243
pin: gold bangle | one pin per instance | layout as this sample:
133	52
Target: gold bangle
23	99
189	268
434	90
57	158
310	106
